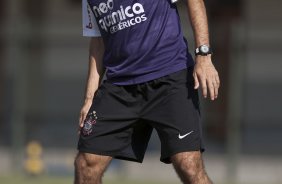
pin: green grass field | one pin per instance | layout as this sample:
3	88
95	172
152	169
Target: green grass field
59	180
20	179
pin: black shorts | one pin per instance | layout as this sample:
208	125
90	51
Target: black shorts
121	118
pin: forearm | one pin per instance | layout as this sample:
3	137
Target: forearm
199	22
95	68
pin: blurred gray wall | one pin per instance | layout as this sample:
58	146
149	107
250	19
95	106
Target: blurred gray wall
263	79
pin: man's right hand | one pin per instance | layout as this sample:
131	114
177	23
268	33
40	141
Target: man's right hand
95	73
83	112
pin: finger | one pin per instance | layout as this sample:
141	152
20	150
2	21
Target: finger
211	88
196	81
82	118
204	87
217	80
216	86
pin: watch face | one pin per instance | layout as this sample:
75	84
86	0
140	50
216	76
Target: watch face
205	49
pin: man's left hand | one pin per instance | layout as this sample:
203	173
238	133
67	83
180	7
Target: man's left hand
206	76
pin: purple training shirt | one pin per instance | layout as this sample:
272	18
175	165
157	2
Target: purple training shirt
143	38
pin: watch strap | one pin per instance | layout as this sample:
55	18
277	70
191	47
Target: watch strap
199	52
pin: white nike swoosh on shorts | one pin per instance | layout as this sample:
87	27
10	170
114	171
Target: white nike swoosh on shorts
182	136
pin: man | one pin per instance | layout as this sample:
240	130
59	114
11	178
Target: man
152	82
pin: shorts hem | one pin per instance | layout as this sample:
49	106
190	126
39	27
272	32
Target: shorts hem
120	156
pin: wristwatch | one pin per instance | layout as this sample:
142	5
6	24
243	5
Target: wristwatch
203	50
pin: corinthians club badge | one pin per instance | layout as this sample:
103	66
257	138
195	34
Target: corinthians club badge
89	122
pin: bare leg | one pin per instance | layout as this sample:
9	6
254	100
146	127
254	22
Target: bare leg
190	168
89	168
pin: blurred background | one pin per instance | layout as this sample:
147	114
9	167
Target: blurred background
43	70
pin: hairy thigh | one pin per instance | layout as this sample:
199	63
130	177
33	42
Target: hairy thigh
188	160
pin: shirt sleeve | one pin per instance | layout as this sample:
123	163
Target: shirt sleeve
90	27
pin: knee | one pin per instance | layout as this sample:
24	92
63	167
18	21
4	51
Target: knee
91	162
88	169
83	161
79	161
